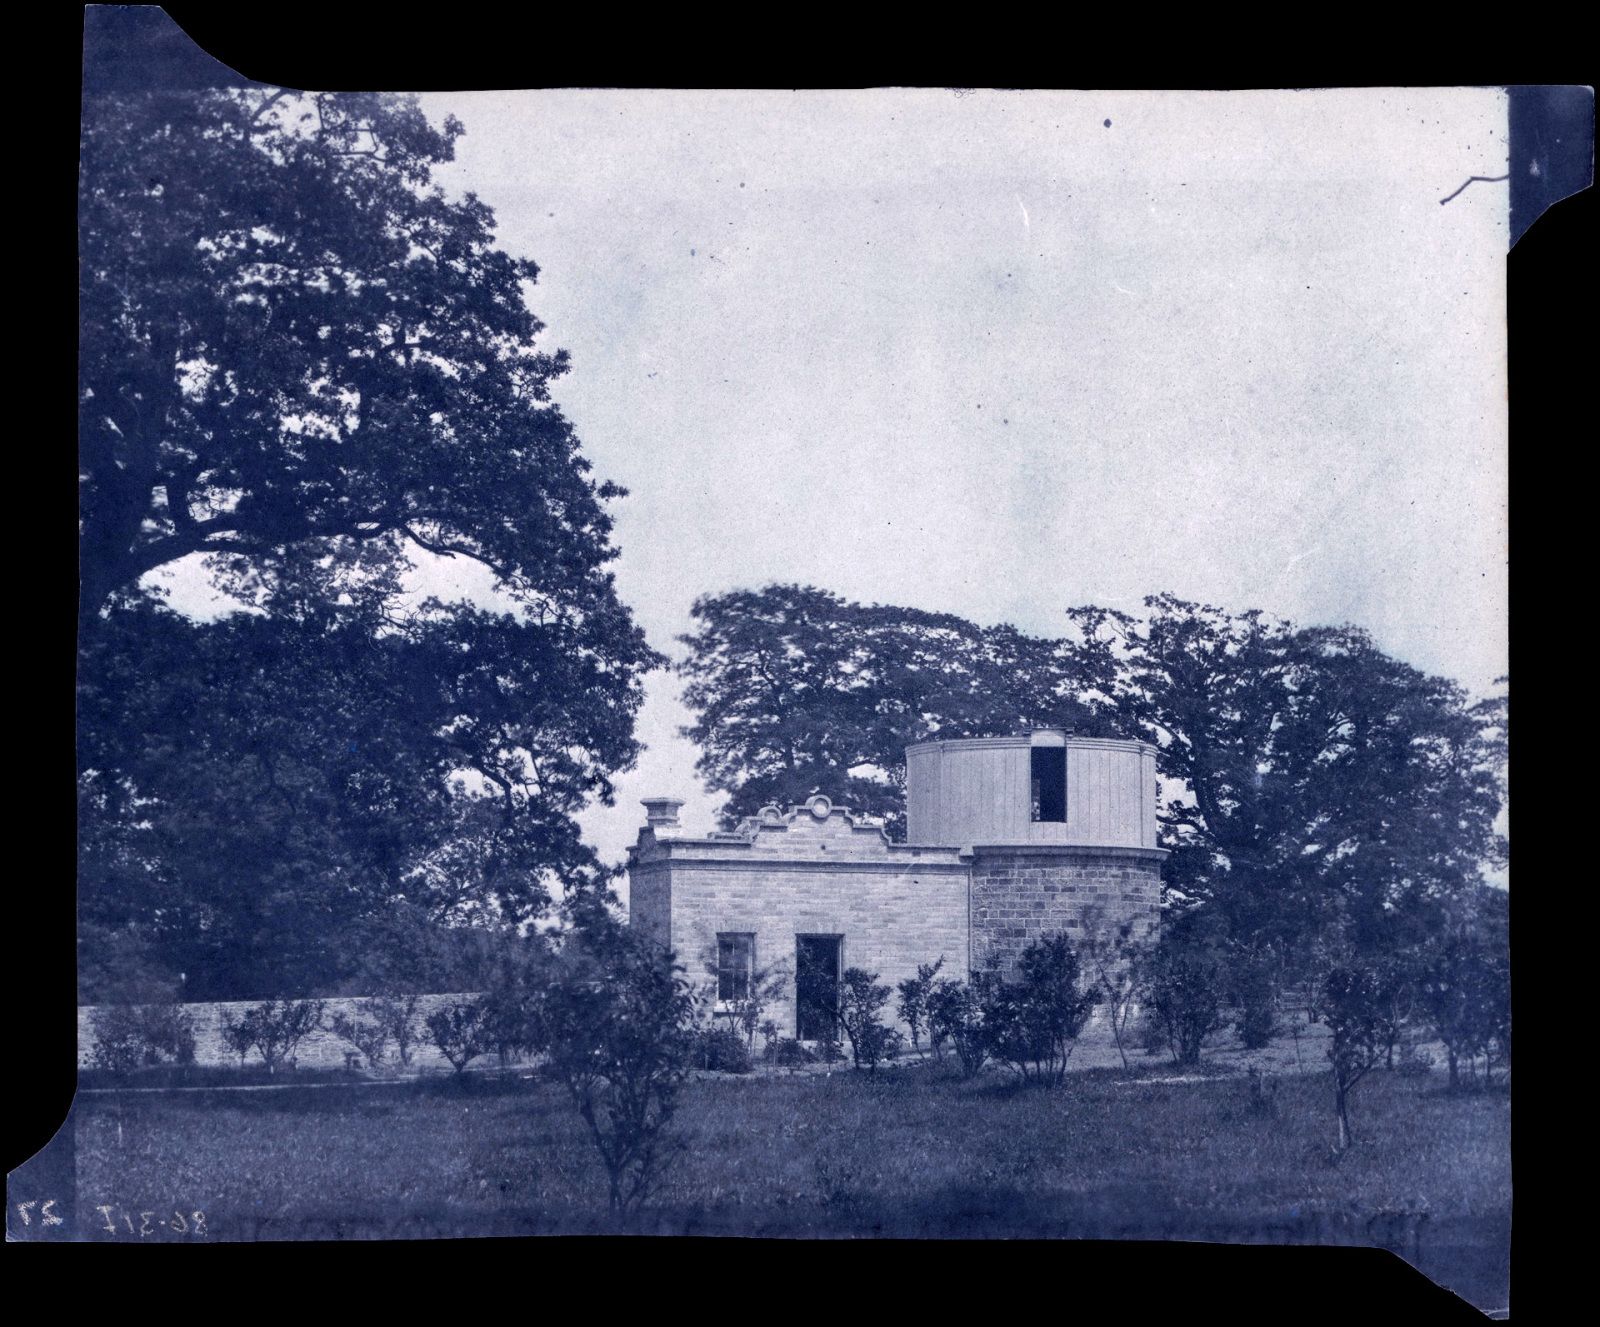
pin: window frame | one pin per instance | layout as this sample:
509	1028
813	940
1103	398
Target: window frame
725	971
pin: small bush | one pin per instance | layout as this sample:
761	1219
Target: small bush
129	1037
397	1016
914	992
1263	1098
1256	1024
955	1015
723	1050
370	1038
829	1051
787	1053
273	1029
861	1000
1184	988
1414	1062
1031	1024
1255	996
460	1031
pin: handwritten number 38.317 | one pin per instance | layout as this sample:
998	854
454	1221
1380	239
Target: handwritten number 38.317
193	1224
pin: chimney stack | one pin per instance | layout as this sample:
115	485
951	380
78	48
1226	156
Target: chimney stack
661	812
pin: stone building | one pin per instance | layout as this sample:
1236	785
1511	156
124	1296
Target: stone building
1008	839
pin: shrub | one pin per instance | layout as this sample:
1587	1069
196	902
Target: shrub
828	1049
1350	1002
1031	1024
397	1015
1263	1099
1254	994
861	1000
129	1037
1183	987
619	1022
460	1031
955	1014
1466	992
914	992
368	1036
1413	1062
724	1050
1256	1023
274	1029
1115	958
787	1053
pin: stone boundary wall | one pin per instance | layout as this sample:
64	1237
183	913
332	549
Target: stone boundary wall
320	1050
1021	896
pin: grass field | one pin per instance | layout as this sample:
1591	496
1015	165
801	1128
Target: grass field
910	1152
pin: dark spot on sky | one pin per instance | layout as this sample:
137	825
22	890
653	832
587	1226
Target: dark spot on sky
691	253
1108	124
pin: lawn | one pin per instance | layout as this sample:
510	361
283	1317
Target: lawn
913	1151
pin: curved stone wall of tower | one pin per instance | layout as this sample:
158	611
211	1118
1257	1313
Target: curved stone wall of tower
1060	832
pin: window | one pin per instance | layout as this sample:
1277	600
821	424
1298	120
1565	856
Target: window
1050	783
736	961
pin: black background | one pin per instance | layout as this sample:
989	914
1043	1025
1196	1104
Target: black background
1552	371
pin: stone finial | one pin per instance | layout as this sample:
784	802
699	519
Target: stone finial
661	812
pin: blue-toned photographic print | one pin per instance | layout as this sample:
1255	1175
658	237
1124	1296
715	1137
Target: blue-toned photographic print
902	663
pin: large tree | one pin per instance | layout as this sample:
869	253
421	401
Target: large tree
1314	785
797	689
304	364
1315	782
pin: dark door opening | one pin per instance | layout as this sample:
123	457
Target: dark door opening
816	985
1050	783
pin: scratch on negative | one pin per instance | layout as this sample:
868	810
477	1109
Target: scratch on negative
1481	179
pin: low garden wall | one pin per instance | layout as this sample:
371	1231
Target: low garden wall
321	1049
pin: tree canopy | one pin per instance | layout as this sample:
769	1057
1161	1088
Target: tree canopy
796	689
304	363
1315	779
1311	781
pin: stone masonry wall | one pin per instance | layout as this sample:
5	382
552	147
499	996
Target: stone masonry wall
1019	897
650	902
320	1050
891	919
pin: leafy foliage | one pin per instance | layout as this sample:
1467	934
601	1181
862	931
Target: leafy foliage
128	1037
956	1015
1114	956
1352	1006
861	1001
1316	784
460	1031
724	1050
796	690
304	364
913	1003
274	1029
1465	990
1183	986
618	1022
370	1036
1032	1023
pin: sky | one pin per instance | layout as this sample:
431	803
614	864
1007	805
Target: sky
1001	353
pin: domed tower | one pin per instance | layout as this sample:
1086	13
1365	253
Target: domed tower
1060	831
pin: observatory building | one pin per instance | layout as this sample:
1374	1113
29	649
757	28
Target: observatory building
1009	839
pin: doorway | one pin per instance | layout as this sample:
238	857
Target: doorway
816	985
